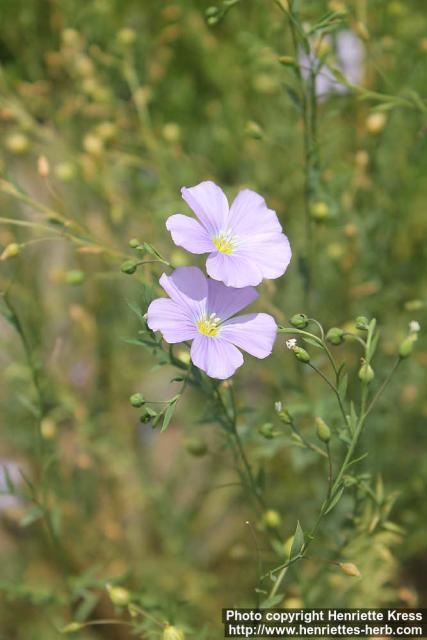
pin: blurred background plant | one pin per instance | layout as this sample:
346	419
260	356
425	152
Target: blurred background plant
107	109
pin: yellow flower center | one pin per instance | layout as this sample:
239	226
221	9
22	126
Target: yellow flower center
225	242
209	325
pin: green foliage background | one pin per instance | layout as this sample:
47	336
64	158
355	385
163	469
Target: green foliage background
123	126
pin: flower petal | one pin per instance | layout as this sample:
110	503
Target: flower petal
253	332
172	320
270	252
209	204
189	234
218	358
226	301
234	270
249	214
188	287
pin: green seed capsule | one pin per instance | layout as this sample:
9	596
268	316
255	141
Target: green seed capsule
173	633
119	596
299	320
272	519
407	346
196	447
267	431
75	277
366	373
137	400
128	267
301	354
362	323
323	431
335	336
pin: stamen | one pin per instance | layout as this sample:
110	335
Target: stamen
208	325
225	241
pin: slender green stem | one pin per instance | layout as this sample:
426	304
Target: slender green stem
334	389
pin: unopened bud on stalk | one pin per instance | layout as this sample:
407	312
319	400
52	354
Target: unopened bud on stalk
134	243
407	345
253	130
287	61
375	122
75	277
17	143
323	431
301	354
126	36
173	633
137	400
319	211
43	167
272	519
211	11
118	595
350	569
299	320
72	627
10	251
362	323
128	267
366	373
267	431
196	447
335	335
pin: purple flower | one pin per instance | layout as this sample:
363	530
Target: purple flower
202	310
245	241
349	60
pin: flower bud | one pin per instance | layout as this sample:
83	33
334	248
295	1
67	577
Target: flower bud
126	36
287	61
267	431
407	345
196	447
272	519
43	167
72	627
319	211
323	431
74	277
301	354
93	144
375	122
253	130
362	323
366	373
299	320
128	267
173	633
137	400
335	335
171	132
17	143
118	595
350	569
65	171
10	251
134	243
211	11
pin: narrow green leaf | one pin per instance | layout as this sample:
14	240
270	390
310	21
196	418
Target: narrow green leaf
168	415
298	542
335	500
